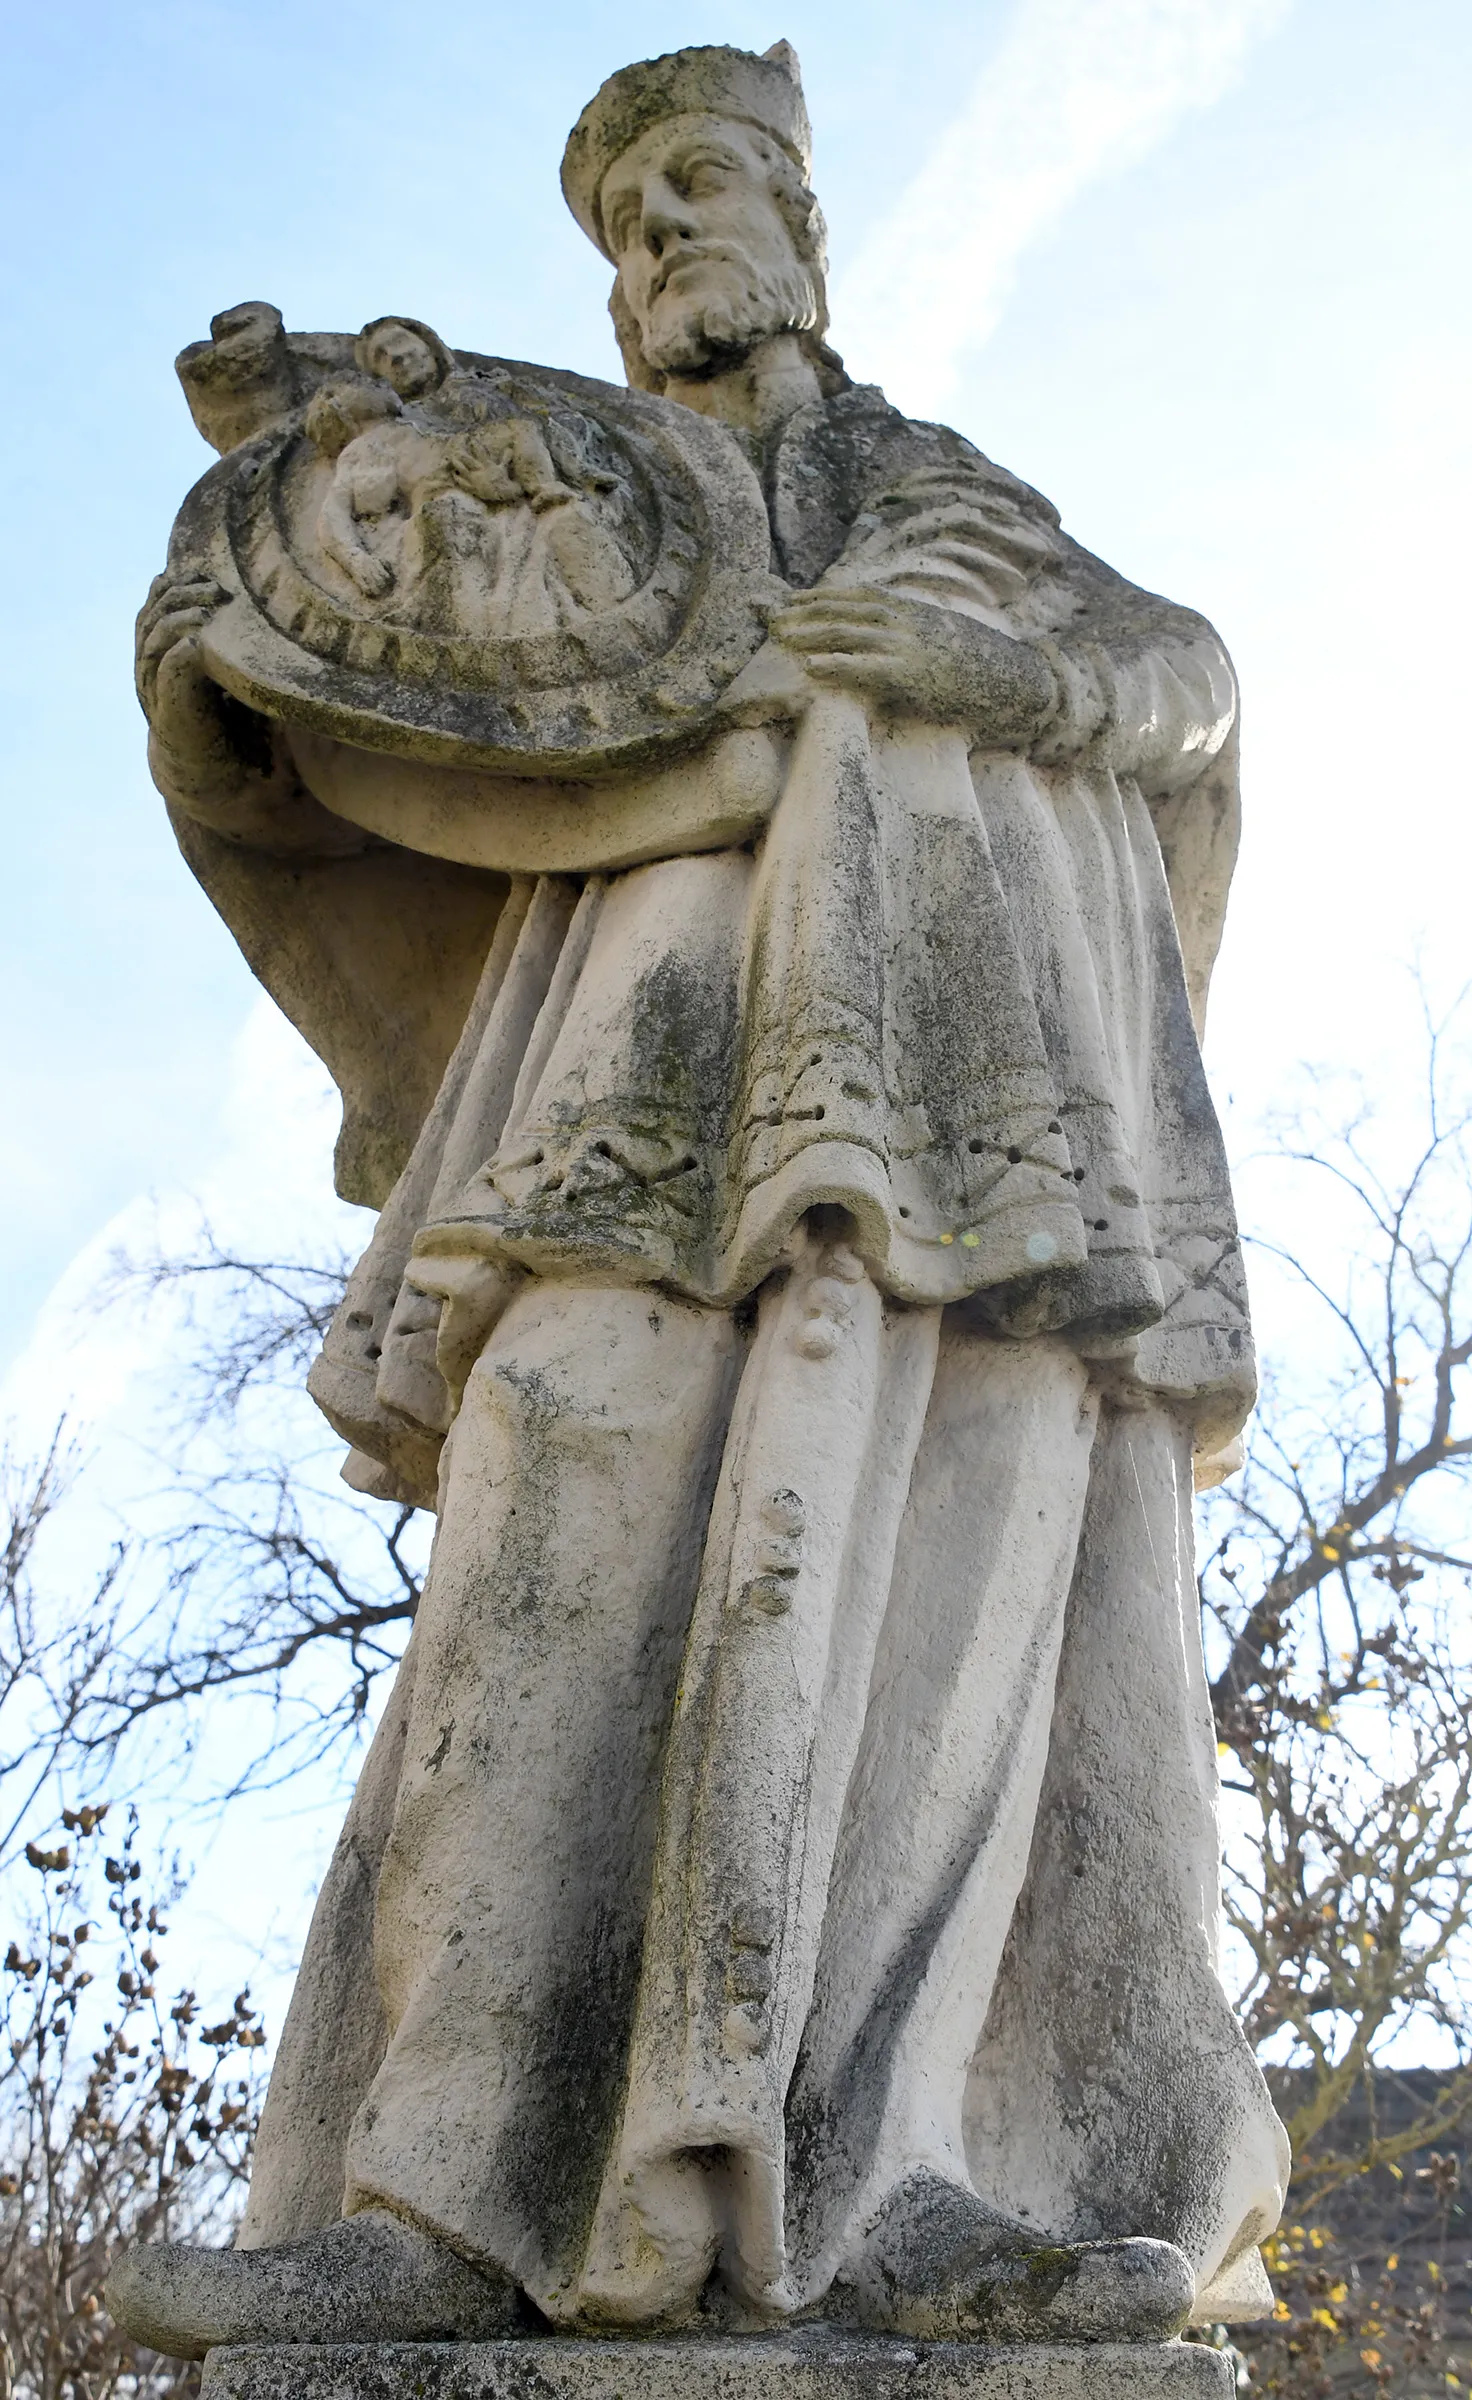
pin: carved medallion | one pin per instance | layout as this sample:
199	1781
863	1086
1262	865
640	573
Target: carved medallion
515	568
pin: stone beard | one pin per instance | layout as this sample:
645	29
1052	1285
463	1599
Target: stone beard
754	879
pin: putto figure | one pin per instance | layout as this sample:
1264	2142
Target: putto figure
759	956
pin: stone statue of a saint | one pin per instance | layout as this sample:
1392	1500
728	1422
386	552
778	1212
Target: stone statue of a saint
754	879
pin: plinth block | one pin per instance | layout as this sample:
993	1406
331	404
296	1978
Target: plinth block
815	2365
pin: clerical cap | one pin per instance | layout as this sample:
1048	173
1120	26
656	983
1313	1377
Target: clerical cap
765	91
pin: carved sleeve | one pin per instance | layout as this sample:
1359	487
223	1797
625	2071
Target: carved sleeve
1147	692
1158	709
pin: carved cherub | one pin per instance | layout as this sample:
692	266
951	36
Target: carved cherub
559	557
404	353
503	460
389	468
386	466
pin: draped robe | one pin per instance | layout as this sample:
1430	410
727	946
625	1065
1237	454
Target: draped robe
801	1768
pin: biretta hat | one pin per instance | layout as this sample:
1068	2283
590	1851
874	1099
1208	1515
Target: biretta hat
765	91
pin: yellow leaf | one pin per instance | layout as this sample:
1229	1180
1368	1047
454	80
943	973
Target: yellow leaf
1224	1749
1370	2357
1394	2259
1338	2292
1332	1554
1398	2172
1325	2316
1282	2310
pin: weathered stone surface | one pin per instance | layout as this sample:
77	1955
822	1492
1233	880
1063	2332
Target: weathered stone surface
755	878
515	569
802	2366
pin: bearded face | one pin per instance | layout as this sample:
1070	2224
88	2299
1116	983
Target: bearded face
707	262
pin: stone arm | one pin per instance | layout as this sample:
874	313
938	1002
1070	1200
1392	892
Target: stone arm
213	759
939	548
372	951
1103	677
338	532
1146	690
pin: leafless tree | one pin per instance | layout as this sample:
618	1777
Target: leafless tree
1337	1587
264	1578
1336	1591
123	2116
52	1659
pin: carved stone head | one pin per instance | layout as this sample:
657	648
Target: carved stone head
405	353
690	173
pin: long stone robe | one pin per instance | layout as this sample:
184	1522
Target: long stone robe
802	1770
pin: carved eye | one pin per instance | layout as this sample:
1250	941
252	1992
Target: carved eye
702	175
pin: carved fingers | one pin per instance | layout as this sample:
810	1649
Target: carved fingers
861	615
911	657
211	756
372	574
862	639
174	612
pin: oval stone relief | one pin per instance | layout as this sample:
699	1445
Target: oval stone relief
518	569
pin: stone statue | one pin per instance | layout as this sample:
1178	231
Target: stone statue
754	879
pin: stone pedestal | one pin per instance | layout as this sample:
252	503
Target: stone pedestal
805	2365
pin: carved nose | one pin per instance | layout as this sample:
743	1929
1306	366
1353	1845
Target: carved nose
665	224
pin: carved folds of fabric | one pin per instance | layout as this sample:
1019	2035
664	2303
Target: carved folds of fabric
943	993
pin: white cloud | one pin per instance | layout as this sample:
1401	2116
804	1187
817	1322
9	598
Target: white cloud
1075	90
266	1193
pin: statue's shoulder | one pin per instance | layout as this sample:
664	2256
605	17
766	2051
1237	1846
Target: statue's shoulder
854	453
859	480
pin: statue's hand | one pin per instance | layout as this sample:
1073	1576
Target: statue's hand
168	668
210	756
372	575
908	658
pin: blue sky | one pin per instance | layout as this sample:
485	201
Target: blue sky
1198	268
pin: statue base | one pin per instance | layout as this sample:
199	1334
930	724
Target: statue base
811	2363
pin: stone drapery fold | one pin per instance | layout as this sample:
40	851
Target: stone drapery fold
914	1071
944	991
